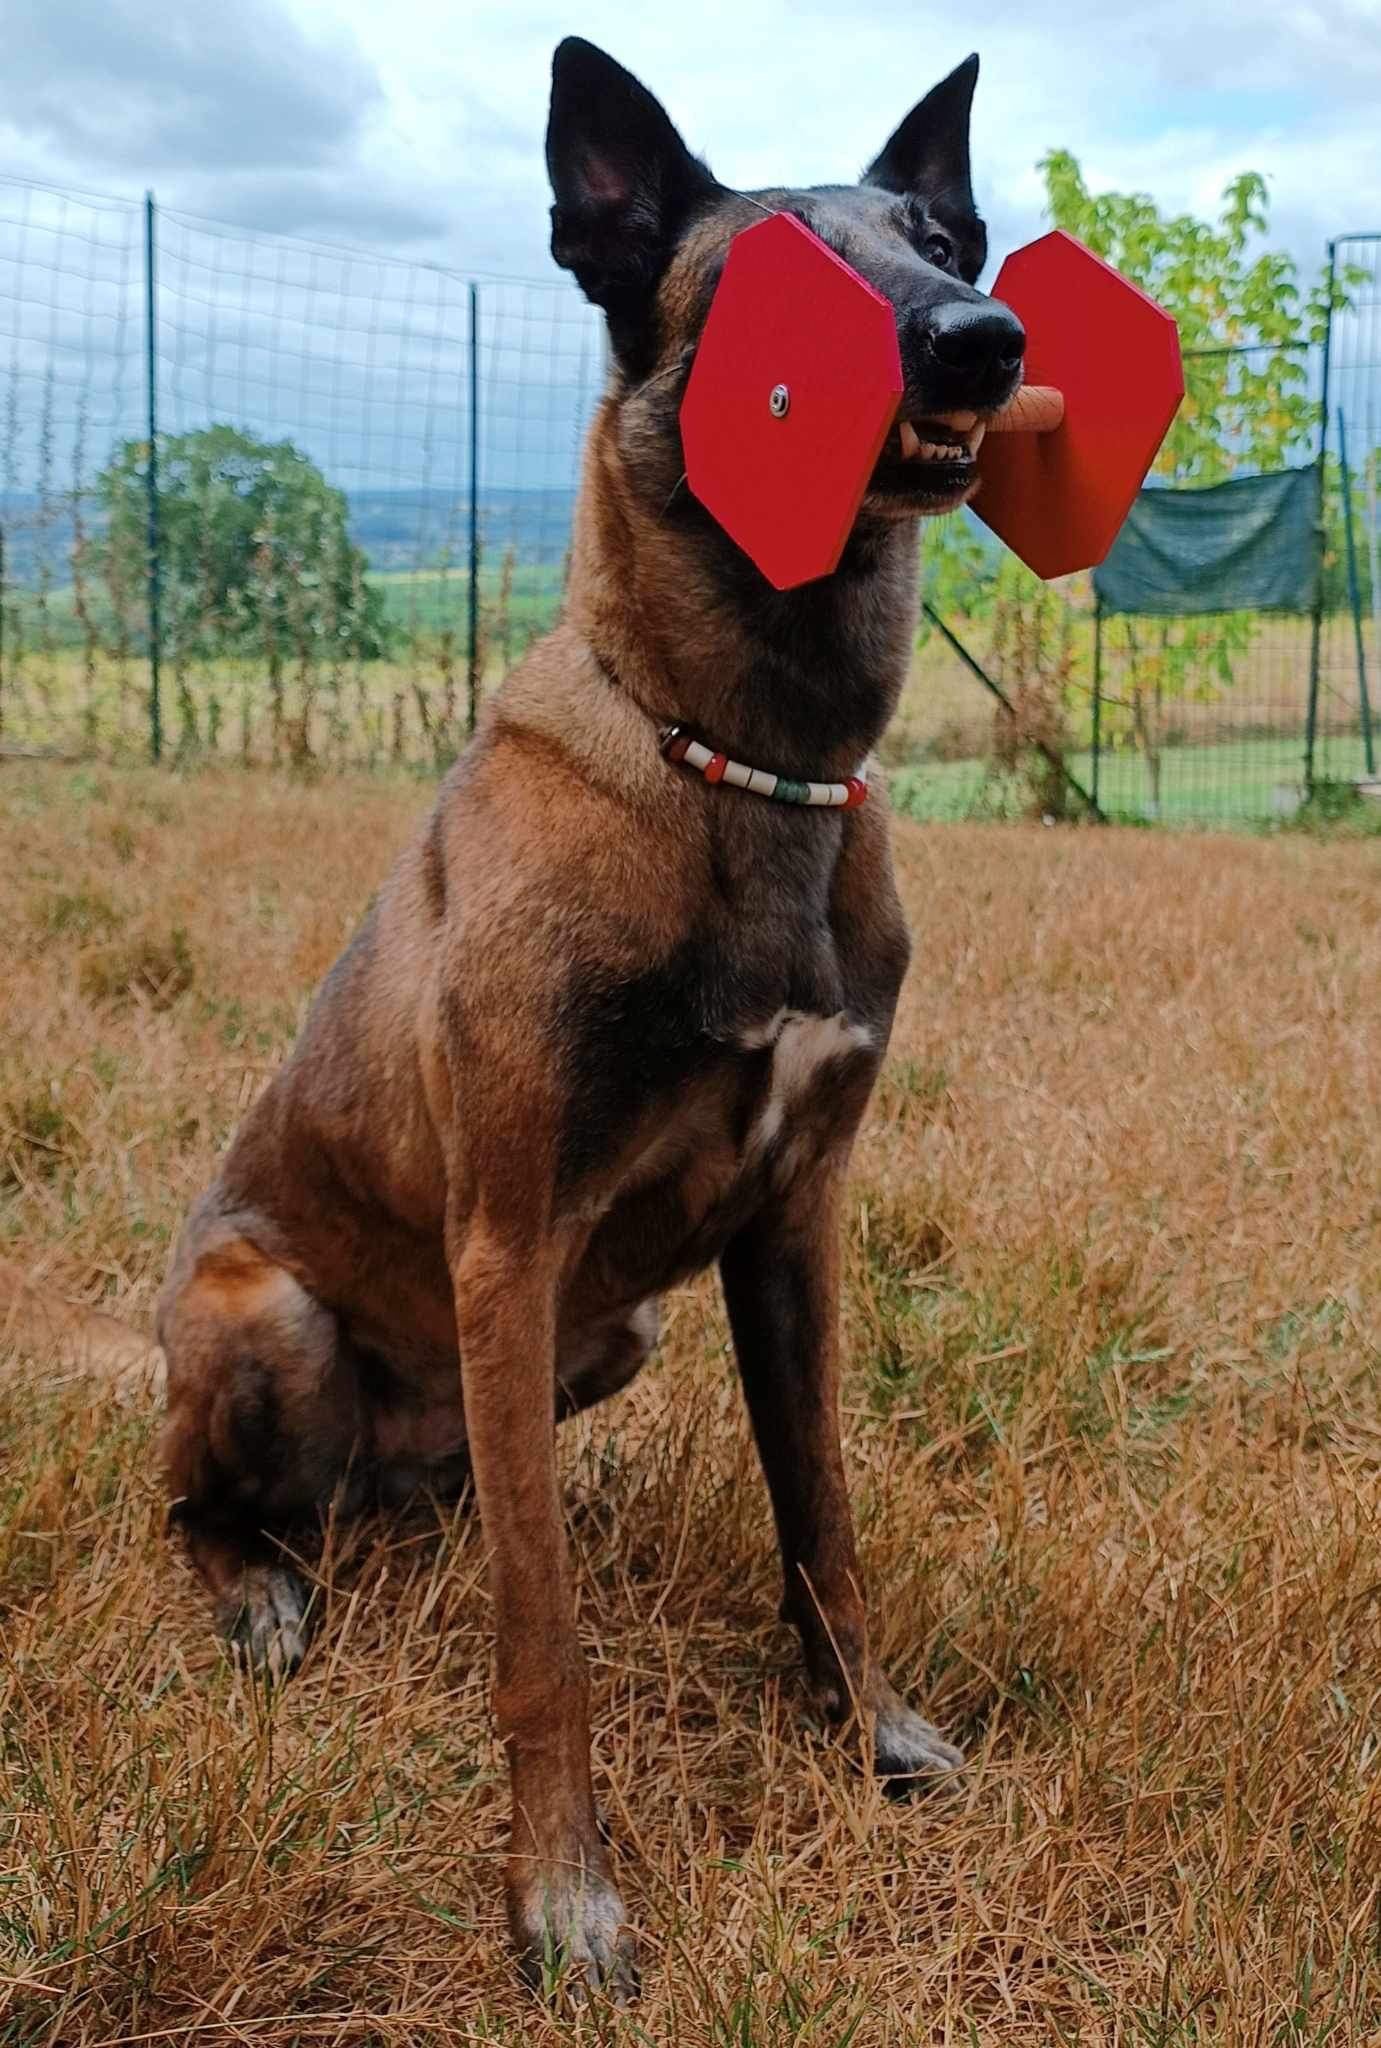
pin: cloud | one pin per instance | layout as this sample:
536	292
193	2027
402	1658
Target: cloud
406	130
329	205
412	126
127	89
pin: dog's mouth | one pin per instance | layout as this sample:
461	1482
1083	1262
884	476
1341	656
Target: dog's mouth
929	464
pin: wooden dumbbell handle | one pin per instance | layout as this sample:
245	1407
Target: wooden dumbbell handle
1036	409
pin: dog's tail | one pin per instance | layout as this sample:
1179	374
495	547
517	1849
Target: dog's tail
39	1323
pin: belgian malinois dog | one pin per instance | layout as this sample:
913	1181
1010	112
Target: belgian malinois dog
610	1020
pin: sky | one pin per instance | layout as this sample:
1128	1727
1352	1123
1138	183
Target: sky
414	131
415	127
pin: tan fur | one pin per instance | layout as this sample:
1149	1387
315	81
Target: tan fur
36	1318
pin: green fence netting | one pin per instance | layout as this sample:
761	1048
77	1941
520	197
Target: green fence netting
1250	545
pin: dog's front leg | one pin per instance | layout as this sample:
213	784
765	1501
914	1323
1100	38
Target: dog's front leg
563	1908
781	1284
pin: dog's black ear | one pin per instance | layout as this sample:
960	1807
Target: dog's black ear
928	156
623	180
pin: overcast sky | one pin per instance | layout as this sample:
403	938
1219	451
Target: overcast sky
415	130
417	127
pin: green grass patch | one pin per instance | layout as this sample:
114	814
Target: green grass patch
1230	781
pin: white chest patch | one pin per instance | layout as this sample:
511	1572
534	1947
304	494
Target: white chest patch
802	1046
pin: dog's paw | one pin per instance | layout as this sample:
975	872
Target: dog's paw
572	1936
268	1624
906	1747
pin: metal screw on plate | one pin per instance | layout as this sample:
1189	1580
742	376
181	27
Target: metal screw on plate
779	401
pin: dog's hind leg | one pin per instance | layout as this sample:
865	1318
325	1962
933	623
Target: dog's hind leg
604	1358
781	1284
263	1431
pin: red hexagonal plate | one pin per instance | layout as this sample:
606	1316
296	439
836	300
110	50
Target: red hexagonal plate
1059	499
788	311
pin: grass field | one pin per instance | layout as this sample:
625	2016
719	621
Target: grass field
415	601
394	710
1112	1423
433	600
1225	782
1236	757
1231	758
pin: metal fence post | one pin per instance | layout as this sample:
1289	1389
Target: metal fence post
1311	719
990	683
1097	733
1354	597
155	591
474	591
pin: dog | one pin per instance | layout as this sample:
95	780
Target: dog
610	1021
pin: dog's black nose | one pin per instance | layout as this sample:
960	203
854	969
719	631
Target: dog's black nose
975	334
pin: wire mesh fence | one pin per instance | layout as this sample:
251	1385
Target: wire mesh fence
1180	715
366	472
1345	743
70	332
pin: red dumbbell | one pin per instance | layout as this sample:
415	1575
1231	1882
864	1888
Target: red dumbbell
797	379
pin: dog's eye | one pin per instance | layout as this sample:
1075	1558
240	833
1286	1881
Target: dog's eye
939	250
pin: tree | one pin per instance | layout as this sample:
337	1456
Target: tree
254	554
1225	292
1247	407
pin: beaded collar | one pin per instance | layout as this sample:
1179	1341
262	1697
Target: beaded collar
678	747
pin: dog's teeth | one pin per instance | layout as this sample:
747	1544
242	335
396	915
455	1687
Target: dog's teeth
975	438
914	449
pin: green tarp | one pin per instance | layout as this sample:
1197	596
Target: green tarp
1248	545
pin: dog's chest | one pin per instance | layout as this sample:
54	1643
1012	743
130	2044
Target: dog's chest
807	1052
740	1069
783	1093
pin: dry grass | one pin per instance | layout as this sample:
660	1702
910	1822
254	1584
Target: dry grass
1114	1434
947	715
395	713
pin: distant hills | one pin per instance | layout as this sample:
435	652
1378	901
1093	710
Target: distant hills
429	529
403	529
